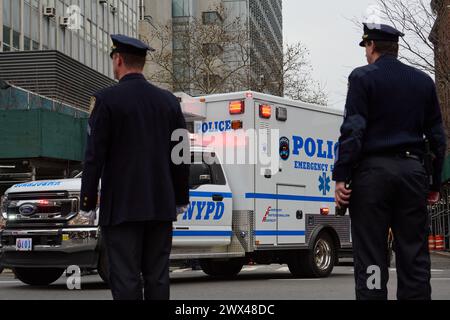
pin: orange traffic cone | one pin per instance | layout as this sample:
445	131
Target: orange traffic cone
439	242
431	242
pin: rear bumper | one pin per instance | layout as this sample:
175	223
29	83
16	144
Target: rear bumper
51	248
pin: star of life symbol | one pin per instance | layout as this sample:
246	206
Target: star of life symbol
324	184
74	14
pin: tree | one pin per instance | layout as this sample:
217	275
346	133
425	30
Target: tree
416	19
200	56
296	75
213	54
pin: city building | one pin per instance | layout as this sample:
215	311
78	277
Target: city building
263	29
54	54
46	25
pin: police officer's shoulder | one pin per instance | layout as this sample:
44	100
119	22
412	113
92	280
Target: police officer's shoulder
107	93
363	71
420	75
170	97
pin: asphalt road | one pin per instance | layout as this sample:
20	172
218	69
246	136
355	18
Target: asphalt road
254	283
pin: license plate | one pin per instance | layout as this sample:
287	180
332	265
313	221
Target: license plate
24	244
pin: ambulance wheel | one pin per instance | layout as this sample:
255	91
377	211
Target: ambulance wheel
38	277
316	263
222	268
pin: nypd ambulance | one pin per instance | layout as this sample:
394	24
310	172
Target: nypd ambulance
261	192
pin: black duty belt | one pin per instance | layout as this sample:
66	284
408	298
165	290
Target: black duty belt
405	154
410	155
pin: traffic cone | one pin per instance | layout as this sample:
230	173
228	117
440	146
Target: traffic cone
439	242
431	242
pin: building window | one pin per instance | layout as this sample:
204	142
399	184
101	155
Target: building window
211	17
181	8
16	40
16	15
141	10
26	44
6	38
7	12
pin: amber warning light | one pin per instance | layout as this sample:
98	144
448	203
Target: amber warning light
237	107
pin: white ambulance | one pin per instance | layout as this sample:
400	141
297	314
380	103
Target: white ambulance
261	192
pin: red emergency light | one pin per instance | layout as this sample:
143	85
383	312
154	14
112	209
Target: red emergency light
237	107
265	111
324	211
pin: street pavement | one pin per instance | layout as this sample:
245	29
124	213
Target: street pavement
255	282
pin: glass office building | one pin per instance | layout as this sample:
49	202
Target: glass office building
27	25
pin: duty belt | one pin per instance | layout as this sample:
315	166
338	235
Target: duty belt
405	154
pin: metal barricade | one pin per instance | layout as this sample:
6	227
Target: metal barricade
440	220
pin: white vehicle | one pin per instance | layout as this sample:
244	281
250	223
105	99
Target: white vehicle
279	212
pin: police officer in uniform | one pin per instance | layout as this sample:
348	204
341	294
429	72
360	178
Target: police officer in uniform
129	147
390	108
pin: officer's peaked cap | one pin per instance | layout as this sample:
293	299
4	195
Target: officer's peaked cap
125	44
380	32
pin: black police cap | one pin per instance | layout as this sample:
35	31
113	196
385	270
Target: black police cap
380	32
125	44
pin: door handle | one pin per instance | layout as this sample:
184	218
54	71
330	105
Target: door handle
217	197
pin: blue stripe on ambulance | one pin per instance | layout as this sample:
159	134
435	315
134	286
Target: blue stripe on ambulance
270	196
198	194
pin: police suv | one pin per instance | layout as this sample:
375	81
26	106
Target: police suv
261	191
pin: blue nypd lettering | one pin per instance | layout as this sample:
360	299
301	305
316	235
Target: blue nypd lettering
204	210
214	126
38	184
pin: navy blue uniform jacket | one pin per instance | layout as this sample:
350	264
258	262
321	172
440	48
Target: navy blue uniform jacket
390	108
129	147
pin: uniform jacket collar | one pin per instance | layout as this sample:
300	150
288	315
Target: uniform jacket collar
132	76
386	57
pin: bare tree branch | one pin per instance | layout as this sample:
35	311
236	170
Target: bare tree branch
199	58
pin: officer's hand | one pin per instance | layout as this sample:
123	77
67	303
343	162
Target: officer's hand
433	198
342	195
182	209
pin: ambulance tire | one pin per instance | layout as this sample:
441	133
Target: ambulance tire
317	262
222	268
38	277
103	266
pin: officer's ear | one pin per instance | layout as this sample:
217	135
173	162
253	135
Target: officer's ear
370	45
118	59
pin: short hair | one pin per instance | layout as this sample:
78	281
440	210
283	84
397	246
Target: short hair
133	61
386	47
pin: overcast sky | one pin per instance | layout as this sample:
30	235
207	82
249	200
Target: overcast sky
323	26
